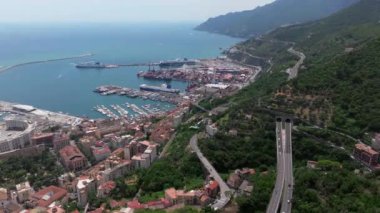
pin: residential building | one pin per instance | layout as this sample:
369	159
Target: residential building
24	191
48	195
212	188
4	198
84	186
42	138
181	197
60	140
105	189
100	151
171	195
141	161
366	155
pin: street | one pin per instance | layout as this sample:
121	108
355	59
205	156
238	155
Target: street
224	189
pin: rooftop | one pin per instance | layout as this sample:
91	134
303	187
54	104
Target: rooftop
171	192
70	152
26	108
48	195
3	194
366	148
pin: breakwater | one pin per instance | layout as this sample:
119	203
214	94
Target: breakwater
7	68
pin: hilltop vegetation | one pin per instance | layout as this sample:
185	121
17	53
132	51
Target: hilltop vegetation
271	16
337	88
337	85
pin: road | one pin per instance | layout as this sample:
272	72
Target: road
225	191
287	196
283	190
277	192
293	72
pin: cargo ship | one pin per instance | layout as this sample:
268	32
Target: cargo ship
95	65
177	63
162	88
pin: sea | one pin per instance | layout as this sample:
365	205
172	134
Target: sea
59	86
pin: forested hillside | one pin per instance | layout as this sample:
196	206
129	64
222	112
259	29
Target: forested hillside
279	13
337	89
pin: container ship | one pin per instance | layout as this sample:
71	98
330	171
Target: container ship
177	63
162	88
94	65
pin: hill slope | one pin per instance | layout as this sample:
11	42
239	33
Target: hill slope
337	89
263	19
323	42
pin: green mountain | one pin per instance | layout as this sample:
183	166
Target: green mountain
271	16
319	91
336	89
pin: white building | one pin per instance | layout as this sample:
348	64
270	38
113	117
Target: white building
24	191
84	186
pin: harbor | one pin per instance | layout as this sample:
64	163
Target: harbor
169	97
204	71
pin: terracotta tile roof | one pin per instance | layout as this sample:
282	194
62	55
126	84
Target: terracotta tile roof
109	185
70	152
366	148
213	185
48	195
135	204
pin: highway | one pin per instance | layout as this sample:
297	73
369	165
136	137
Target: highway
283	189
225	191
287	196
278	188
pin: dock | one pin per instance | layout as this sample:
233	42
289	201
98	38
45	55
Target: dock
106	90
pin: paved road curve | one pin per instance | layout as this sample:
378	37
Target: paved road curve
293	72
225	191
278	188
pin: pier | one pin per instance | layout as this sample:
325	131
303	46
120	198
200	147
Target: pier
3	69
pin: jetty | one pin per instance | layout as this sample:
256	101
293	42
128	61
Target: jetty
6	68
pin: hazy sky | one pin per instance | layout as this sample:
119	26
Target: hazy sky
119	10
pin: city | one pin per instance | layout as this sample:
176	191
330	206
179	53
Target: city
188	107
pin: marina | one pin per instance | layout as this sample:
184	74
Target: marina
116	111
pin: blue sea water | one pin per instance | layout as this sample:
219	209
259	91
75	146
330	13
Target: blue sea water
59	86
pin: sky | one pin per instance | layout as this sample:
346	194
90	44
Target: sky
120	10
